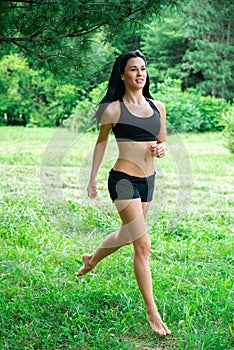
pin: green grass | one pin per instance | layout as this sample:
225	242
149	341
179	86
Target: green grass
47	222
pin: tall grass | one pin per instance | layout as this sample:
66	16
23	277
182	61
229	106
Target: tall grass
47	222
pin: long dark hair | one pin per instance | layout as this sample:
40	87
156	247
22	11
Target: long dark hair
116	87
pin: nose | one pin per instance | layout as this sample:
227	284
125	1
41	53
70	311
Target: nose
139	71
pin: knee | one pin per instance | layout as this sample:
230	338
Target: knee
142	247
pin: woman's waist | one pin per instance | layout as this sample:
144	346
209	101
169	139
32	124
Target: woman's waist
134	168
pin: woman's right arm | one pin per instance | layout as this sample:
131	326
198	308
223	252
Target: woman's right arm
98	154
109	117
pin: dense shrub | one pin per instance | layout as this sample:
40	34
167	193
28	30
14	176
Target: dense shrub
82	118
189	110
31	96
186	111
228	123
34	97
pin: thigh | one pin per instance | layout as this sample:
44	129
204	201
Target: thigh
133	219
145	208
129	209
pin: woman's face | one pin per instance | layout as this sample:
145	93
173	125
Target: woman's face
135	73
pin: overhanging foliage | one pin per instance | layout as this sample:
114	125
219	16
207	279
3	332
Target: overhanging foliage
51	29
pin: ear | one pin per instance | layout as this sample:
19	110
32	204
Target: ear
122	76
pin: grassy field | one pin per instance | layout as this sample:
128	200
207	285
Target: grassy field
47	222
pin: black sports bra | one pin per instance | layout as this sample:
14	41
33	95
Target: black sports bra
132	128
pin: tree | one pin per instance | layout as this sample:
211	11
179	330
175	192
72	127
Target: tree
59	31
194	44
209	29
16	92
29	95
165	44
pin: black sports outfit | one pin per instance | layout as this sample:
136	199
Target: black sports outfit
140	129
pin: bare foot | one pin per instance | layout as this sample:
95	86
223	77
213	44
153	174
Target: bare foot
88	266
156	323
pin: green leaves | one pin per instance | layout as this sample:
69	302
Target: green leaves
195	44
228	123
190	111
44	29
33	94
210	48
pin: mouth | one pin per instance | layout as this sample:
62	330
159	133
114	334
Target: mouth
139	81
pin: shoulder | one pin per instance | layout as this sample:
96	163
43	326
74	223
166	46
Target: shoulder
160	106
111	113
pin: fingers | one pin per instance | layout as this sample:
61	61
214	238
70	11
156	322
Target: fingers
158	150
92	191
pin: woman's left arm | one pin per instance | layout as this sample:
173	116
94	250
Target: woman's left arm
159	150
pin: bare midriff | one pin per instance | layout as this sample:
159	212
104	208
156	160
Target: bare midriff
135	158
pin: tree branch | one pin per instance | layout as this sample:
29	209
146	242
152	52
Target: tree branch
48	23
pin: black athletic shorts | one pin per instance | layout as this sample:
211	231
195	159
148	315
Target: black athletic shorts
124	186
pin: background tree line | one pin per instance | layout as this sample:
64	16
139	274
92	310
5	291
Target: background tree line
54	58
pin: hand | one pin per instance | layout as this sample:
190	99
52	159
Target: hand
92	190
158	150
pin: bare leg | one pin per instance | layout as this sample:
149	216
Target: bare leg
132	228
144	280
90	260
133	219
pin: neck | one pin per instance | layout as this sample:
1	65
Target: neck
134	98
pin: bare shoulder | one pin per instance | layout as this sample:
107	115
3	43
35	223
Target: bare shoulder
160	107
111	113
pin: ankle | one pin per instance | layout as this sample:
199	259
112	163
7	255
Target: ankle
151	309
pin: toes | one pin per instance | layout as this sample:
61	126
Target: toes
168	331
161	332
87	266
79	273
158	326
83	271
